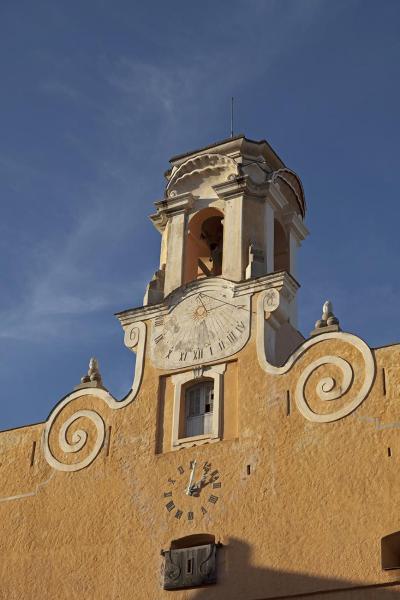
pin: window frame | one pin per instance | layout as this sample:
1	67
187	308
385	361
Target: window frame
181	382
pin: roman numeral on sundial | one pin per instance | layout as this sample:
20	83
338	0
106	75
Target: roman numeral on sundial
240	326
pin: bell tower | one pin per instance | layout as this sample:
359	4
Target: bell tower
231	210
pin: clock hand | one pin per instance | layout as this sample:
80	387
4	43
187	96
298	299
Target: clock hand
189	489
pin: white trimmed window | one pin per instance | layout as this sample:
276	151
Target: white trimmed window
199	403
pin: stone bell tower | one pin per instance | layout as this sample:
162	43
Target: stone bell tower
230	210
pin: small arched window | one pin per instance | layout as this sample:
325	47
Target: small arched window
199	404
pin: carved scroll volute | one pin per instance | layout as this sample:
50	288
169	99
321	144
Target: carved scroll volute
333	372
131	336
332	383
74	434
74	438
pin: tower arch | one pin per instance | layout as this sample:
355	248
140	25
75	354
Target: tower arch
204	245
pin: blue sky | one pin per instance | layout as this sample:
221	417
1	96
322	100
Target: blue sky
96	96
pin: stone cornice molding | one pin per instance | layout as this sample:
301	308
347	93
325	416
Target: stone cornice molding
279	280
241	186
296	226
275	198
169	207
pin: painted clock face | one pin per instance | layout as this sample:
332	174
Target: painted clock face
202	328
192	491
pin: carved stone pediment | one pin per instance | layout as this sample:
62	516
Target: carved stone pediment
198	175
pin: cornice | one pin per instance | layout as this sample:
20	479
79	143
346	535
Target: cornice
276	198
241	186
280	280
173	205
296	226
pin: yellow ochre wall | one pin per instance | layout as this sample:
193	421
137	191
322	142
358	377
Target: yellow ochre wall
308	518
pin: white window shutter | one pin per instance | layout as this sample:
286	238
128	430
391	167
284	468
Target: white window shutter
199	400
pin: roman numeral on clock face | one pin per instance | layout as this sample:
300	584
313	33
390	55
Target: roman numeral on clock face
170	506
213	499
231	337
159	321
158	338
197	354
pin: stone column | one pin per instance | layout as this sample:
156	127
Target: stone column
293	247
297	232
234	259
269	242
175	252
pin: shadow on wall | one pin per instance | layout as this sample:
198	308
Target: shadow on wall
240	580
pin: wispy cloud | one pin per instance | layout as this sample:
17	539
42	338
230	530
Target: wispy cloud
146	107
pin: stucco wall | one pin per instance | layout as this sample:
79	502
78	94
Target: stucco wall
308	517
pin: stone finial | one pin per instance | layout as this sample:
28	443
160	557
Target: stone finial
328	321
93	377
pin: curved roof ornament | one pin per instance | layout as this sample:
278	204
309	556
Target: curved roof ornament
201	165
293	182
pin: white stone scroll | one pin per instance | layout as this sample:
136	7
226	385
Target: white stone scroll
327	388
80	440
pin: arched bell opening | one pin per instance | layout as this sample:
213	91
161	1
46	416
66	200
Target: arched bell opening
281	248
204	245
